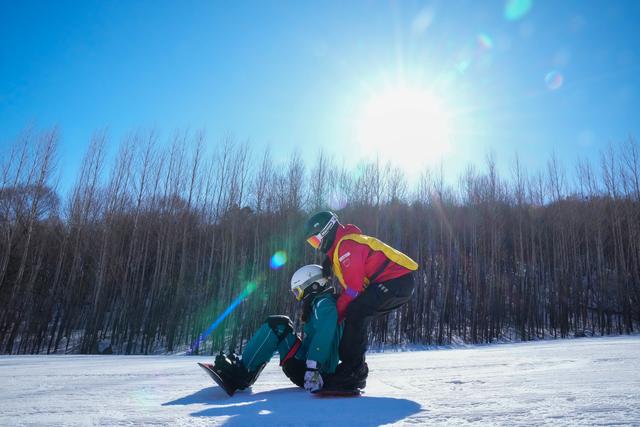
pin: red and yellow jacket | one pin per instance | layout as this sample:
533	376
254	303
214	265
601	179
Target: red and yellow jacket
359	260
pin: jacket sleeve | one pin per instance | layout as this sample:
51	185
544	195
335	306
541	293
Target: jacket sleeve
352	261
325	317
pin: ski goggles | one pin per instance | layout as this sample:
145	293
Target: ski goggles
298	293
316	240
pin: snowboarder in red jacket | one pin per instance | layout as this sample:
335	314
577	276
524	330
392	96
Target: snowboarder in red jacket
375	278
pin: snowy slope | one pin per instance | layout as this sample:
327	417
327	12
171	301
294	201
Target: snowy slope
592	381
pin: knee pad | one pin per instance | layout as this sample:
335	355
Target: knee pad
280	325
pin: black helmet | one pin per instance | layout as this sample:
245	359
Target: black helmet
320	230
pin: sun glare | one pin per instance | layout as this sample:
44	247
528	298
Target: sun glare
408	126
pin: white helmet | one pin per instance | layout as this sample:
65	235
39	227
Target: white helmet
308	280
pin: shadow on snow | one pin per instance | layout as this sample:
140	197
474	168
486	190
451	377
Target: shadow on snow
294	406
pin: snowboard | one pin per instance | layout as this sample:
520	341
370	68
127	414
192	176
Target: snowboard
335	392
208	367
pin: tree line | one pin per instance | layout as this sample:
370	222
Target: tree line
149	249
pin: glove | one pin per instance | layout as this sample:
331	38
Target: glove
312	378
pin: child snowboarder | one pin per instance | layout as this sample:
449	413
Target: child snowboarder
304	362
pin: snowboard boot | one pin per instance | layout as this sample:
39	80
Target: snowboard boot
348	379
233	372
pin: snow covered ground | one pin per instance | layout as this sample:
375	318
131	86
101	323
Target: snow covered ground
591	381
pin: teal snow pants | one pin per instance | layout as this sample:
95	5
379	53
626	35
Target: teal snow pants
276	334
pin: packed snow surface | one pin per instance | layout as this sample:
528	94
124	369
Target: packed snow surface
594	381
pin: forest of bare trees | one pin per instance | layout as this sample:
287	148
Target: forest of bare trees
147	249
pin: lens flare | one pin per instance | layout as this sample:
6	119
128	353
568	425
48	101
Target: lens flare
463	66
278	260
248	290
251	286
554	80
423	20
516	9
484	42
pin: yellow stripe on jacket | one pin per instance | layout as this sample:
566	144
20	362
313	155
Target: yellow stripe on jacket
392	254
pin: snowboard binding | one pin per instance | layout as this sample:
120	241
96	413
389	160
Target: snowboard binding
229	372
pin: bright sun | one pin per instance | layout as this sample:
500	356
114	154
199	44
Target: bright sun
408	126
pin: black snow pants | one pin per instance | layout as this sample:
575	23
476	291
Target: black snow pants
377	300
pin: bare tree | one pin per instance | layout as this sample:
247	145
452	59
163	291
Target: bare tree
147	256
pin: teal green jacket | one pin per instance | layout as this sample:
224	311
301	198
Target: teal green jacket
322	334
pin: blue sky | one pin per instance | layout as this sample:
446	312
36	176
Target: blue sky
299	75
